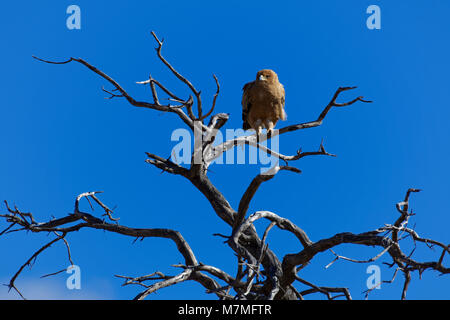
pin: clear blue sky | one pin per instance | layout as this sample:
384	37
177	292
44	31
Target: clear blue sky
59	137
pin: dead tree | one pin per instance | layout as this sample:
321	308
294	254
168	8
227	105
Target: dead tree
260	273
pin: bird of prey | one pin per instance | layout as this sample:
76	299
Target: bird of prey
263	102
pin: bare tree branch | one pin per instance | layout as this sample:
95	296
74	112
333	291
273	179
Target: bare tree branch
260	273
371	238
253	139
196	93
165	164
253	187
11	284
325	290
183	276
214	99
131	100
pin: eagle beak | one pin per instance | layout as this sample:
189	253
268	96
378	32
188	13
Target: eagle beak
261	77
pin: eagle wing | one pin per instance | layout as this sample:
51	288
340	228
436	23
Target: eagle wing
246	104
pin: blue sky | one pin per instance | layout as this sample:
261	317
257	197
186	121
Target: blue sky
60	137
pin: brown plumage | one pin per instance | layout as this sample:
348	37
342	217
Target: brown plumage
263	102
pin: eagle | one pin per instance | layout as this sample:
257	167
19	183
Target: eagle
263	102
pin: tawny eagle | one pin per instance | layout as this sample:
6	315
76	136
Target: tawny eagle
263	102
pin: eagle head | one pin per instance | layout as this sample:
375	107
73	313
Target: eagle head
267	75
